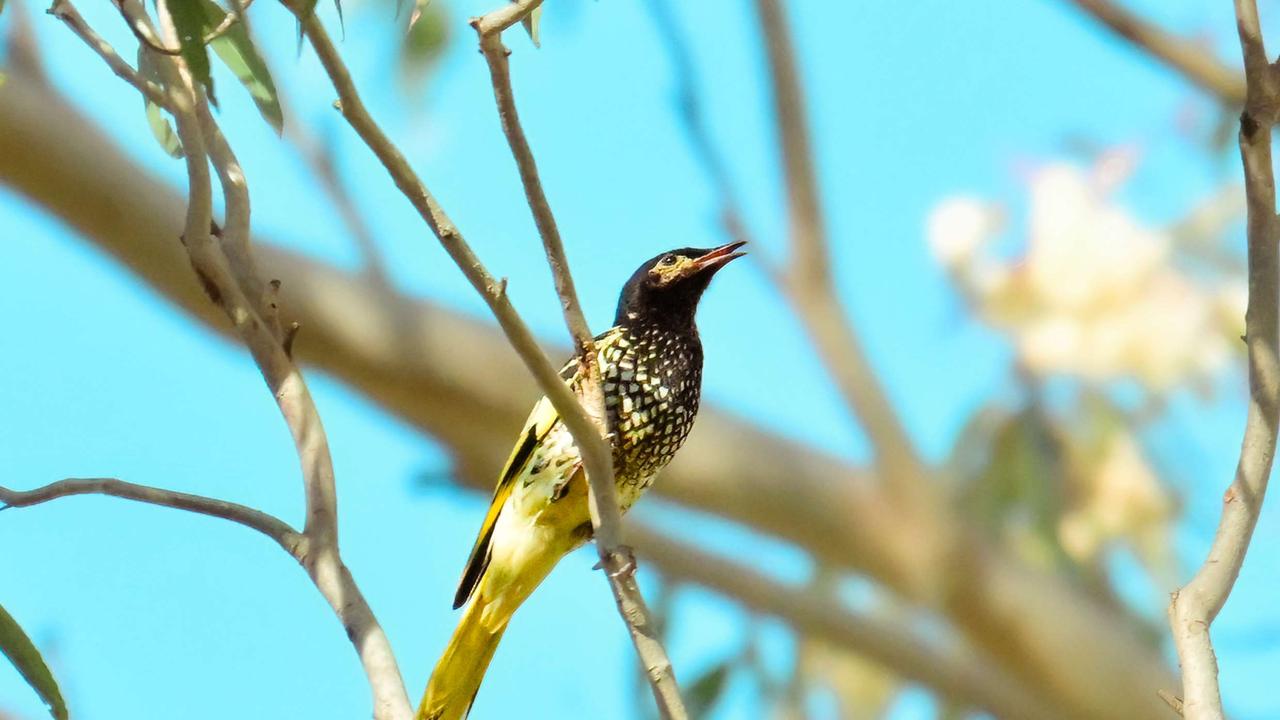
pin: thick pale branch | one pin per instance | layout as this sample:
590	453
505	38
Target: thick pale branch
269	525
1181	54
959	674
1194	607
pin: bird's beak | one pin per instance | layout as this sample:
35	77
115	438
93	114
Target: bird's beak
718	257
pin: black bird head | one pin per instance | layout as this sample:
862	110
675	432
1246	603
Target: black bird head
666	288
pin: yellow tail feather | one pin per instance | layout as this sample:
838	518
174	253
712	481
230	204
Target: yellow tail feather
457	676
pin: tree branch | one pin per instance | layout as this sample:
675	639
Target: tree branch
1197	66
960	674
491	290
1194	607
606	517
269	525
67	13
220	282
1073	649
689	107
809	283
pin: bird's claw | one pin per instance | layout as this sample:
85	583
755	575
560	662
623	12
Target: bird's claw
626	568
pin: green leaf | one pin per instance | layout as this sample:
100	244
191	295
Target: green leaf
703	693
237	52
306	8
414	17
160	127
425	42
191	22
16	646
163	131
531	23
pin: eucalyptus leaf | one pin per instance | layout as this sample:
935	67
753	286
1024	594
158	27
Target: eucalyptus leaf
425	41
416	15
236	50
16	646
163	131
160	126
705	691
191	22
531	23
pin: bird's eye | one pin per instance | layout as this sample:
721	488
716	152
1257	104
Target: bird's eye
668	260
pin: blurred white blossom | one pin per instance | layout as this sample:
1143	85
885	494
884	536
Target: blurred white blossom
1119	496
958	228
1094	293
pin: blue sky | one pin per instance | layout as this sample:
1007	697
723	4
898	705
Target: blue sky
153	613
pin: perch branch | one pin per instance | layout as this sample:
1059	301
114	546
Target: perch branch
1194	607
606	518
490	289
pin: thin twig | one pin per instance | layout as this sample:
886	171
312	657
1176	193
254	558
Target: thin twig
1194	607
149	39
606	517
692	114
269	525
809	282
1180	54
490	289
319	156
67	13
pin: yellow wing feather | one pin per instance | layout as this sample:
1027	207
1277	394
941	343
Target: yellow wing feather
541	420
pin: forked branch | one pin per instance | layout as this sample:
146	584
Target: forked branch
1194	607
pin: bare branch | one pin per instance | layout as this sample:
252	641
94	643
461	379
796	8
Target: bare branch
67	13
1197	66
1059	639
606	517
596	455
320	557
689	107
490	289
961	674
809	283
1194	607
319	156
269	525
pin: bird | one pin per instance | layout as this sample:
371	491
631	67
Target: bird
651	369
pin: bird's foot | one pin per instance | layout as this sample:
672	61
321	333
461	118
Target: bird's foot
625	559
